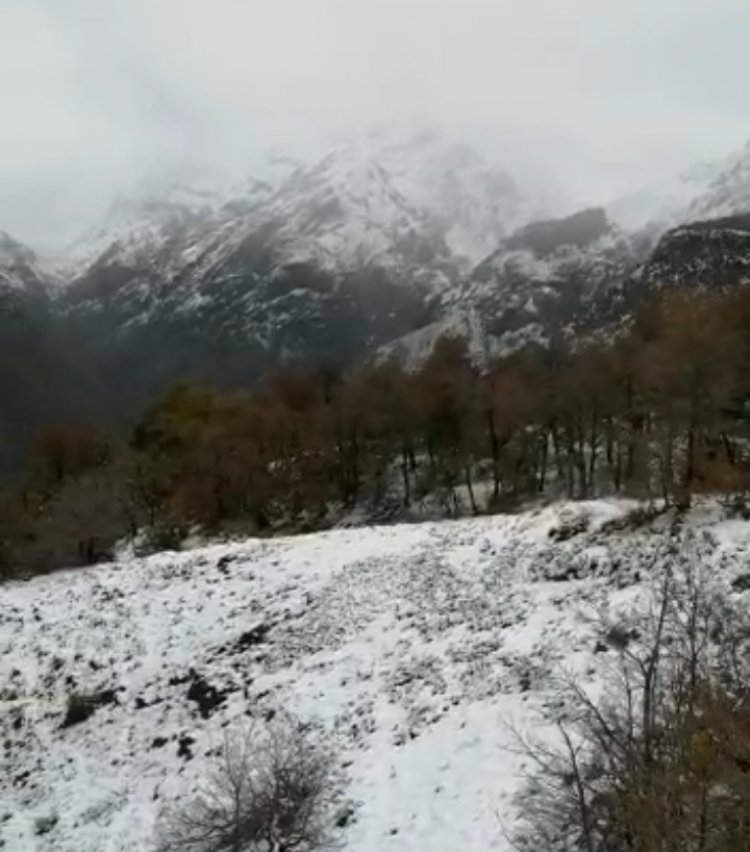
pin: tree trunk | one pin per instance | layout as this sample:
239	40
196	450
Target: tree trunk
630	455
544	454
618	465
470	488
556	447
495	451
431	456
594	444
689	478
412	457
609	450
405	476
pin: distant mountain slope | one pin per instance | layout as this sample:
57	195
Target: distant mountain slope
346	205
710	190
577	275
548	271
319	262
19	268
45	375
331	263
378	247
712	254
706	256
539	285
473	200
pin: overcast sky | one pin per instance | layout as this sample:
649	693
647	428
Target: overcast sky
612	94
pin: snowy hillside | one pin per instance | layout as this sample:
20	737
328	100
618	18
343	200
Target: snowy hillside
19	268
321	261
358	203
412	646
713	255
415	348
346	212
379	246
545	279
134	222
472	198
707	191
665	204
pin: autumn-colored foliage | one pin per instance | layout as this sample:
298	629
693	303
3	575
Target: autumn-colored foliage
656	411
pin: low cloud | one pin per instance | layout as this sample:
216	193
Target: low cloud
98	95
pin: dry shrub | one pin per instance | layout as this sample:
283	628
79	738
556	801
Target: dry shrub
662	763
273	789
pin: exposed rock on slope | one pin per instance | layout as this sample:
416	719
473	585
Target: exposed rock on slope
711	256
541	284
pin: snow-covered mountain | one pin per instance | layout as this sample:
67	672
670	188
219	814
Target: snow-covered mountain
328	263
472	199
542	283
418	650
710	190
706	256
347	212
356	204
555	279
20	270
317	261
134	222
541	280
145	218
380	246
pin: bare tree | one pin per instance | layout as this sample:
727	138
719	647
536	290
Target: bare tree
273	789
662	763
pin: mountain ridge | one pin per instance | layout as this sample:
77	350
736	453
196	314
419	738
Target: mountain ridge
361	254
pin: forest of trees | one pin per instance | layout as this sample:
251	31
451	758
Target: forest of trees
656	411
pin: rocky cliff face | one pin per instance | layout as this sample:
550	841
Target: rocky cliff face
543	282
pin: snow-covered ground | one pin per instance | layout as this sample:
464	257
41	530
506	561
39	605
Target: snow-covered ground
414	647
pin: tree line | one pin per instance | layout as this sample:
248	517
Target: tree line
657	409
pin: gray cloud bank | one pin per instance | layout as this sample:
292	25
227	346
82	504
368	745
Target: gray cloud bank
98	94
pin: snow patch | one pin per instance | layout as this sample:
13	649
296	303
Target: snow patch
413	646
